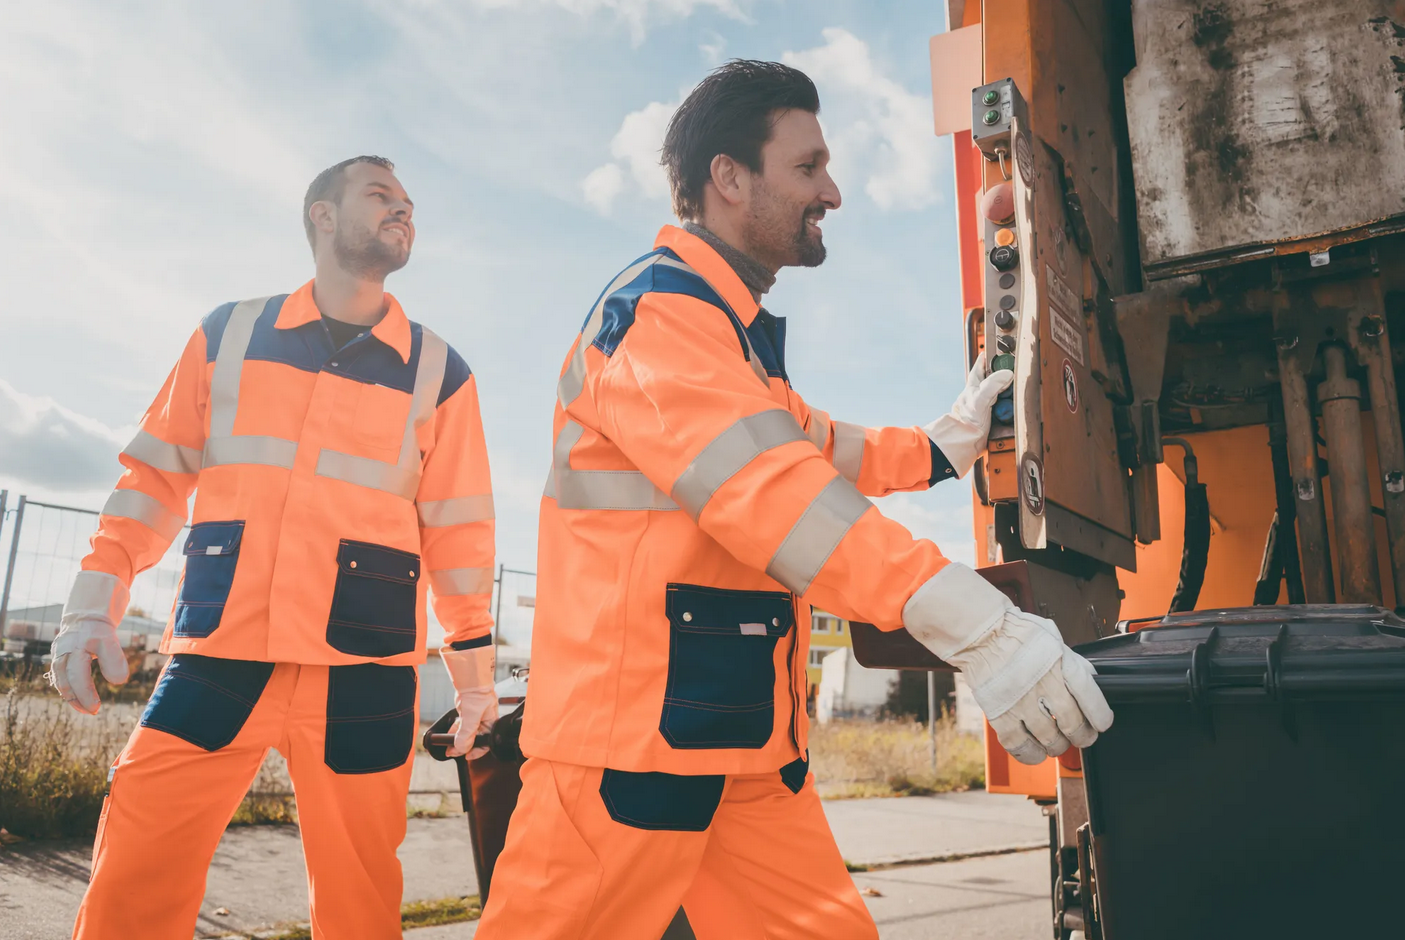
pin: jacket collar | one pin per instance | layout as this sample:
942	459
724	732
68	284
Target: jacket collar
704	259
393	330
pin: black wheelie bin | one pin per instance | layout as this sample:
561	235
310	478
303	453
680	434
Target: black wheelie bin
1251	785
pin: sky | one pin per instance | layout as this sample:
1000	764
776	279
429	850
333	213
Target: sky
156	154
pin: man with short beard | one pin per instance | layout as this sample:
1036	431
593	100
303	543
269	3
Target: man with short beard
696	508
336	455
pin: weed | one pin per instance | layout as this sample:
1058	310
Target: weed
413	914
854	759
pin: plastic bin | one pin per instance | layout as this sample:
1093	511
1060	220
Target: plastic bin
1251	785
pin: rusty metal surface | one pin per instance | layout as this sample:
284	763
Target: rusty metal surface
1260	122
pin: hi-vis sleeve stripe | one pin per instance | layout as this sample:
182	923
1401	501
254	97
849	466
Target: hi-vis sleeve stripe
729	452
454	582
848	450
599	489
819	428
156	453
816	534
458	511
136	505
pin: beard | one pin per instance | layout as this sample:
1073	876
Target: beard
775	235
360	252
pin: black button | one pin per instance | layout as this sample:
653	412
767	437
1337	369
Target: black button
1007	302
1007	281
1004	257
1004	319
1005	344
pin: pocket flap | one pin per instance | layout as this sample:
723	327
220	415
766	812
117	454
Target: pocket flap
214	538
376	561
696	609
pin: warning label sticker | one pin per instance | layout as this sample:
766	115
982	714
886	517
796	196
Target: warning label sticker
1064	316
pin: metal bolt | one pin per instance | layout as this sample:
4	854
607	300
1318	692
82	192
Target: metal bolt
991	96
990	117
1371	328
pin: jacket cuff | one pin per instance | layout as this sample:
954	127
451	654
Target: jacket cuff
953	610
941	467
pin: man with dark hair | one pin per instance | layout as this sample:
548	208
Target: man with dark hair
696	507
336	455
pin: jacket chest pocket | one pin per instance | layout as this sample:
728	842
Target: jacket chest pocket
721	666
211	555
374	602
374	416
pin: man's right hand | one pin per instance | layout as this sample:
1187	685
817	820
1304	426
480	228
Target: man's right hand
88	631
1039	695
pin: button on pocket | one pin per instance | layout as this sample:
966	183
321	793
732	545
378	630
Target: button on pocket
721	666
373	604
211	555
370	717
205	700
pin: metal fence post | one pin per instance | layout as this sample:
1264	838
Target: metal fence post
14	552
932	719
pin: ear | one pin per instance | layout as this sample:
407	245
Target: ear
731	180
324	216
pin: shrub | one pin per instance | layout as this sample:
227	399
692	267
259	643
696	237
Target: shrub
853	758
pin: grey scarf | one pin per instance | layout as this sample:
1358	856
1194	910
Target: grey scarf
756	278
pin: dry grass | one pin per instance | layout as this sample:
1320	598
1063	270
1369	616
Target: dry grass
852	758
413	914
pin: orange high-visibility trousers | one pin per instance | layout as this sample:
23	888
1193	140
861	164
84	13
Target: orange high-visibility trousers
594	854
347	733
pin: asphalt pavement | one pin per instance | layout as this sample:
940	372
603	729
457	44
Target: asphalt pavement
256	878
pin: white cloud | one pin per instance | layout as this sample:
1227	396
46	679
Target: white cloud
713	50
44	444
880	129
635	147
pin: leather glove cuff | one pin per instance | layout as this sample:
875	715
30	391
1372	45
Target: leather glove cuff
96	595
953	610
469	669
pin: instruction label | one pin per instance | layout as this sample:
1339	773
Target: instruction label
1064	316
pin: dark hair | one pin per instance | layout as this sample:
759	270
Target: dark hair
327	186
730	112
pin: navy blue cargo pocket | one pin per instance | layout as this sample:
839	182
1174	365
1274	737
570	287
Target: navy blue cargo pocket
211	554
721	665
205	700
370	717
373	605
670	802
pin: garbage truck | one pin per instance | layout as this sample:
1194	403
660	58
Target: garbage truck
1182	224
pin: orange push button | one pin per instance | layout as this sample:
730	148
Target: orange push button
1005	236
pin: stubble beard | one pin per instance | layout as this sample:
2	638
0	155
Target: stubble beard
361	253
775	239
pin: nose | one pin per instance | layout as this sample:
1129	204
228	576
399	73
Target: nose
829	192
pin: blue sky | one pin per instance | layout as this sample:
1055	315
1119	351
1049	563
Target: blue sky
156	154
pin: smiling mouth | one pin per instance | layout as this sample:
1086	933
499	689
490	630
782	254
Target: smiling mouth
396	229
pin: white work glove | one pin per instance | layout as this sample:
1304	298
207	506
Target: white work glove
961	434
88	631
475	699
1039	695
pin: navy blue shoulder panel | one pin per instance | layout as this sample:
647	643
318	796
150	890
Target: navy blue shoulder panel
217	319
767	334
591	311
620	306
456	372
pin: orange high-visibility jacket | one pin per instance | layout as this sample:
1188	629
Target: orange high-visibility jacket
331	486
696	507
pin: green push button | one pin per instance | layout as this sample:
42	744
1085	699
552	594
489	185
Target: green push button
991	117
1002	361
991	96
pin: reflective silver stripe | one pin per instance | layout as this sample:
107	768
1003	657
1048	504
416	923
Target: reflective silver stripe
599	489
154	452
372	474
848	450
752	361
816	534
250	448
229	363
401	479
819	428
458	511
731	450
135	505
456	582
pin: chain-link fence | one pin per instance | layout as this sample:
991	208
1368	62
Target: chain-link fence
43	546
